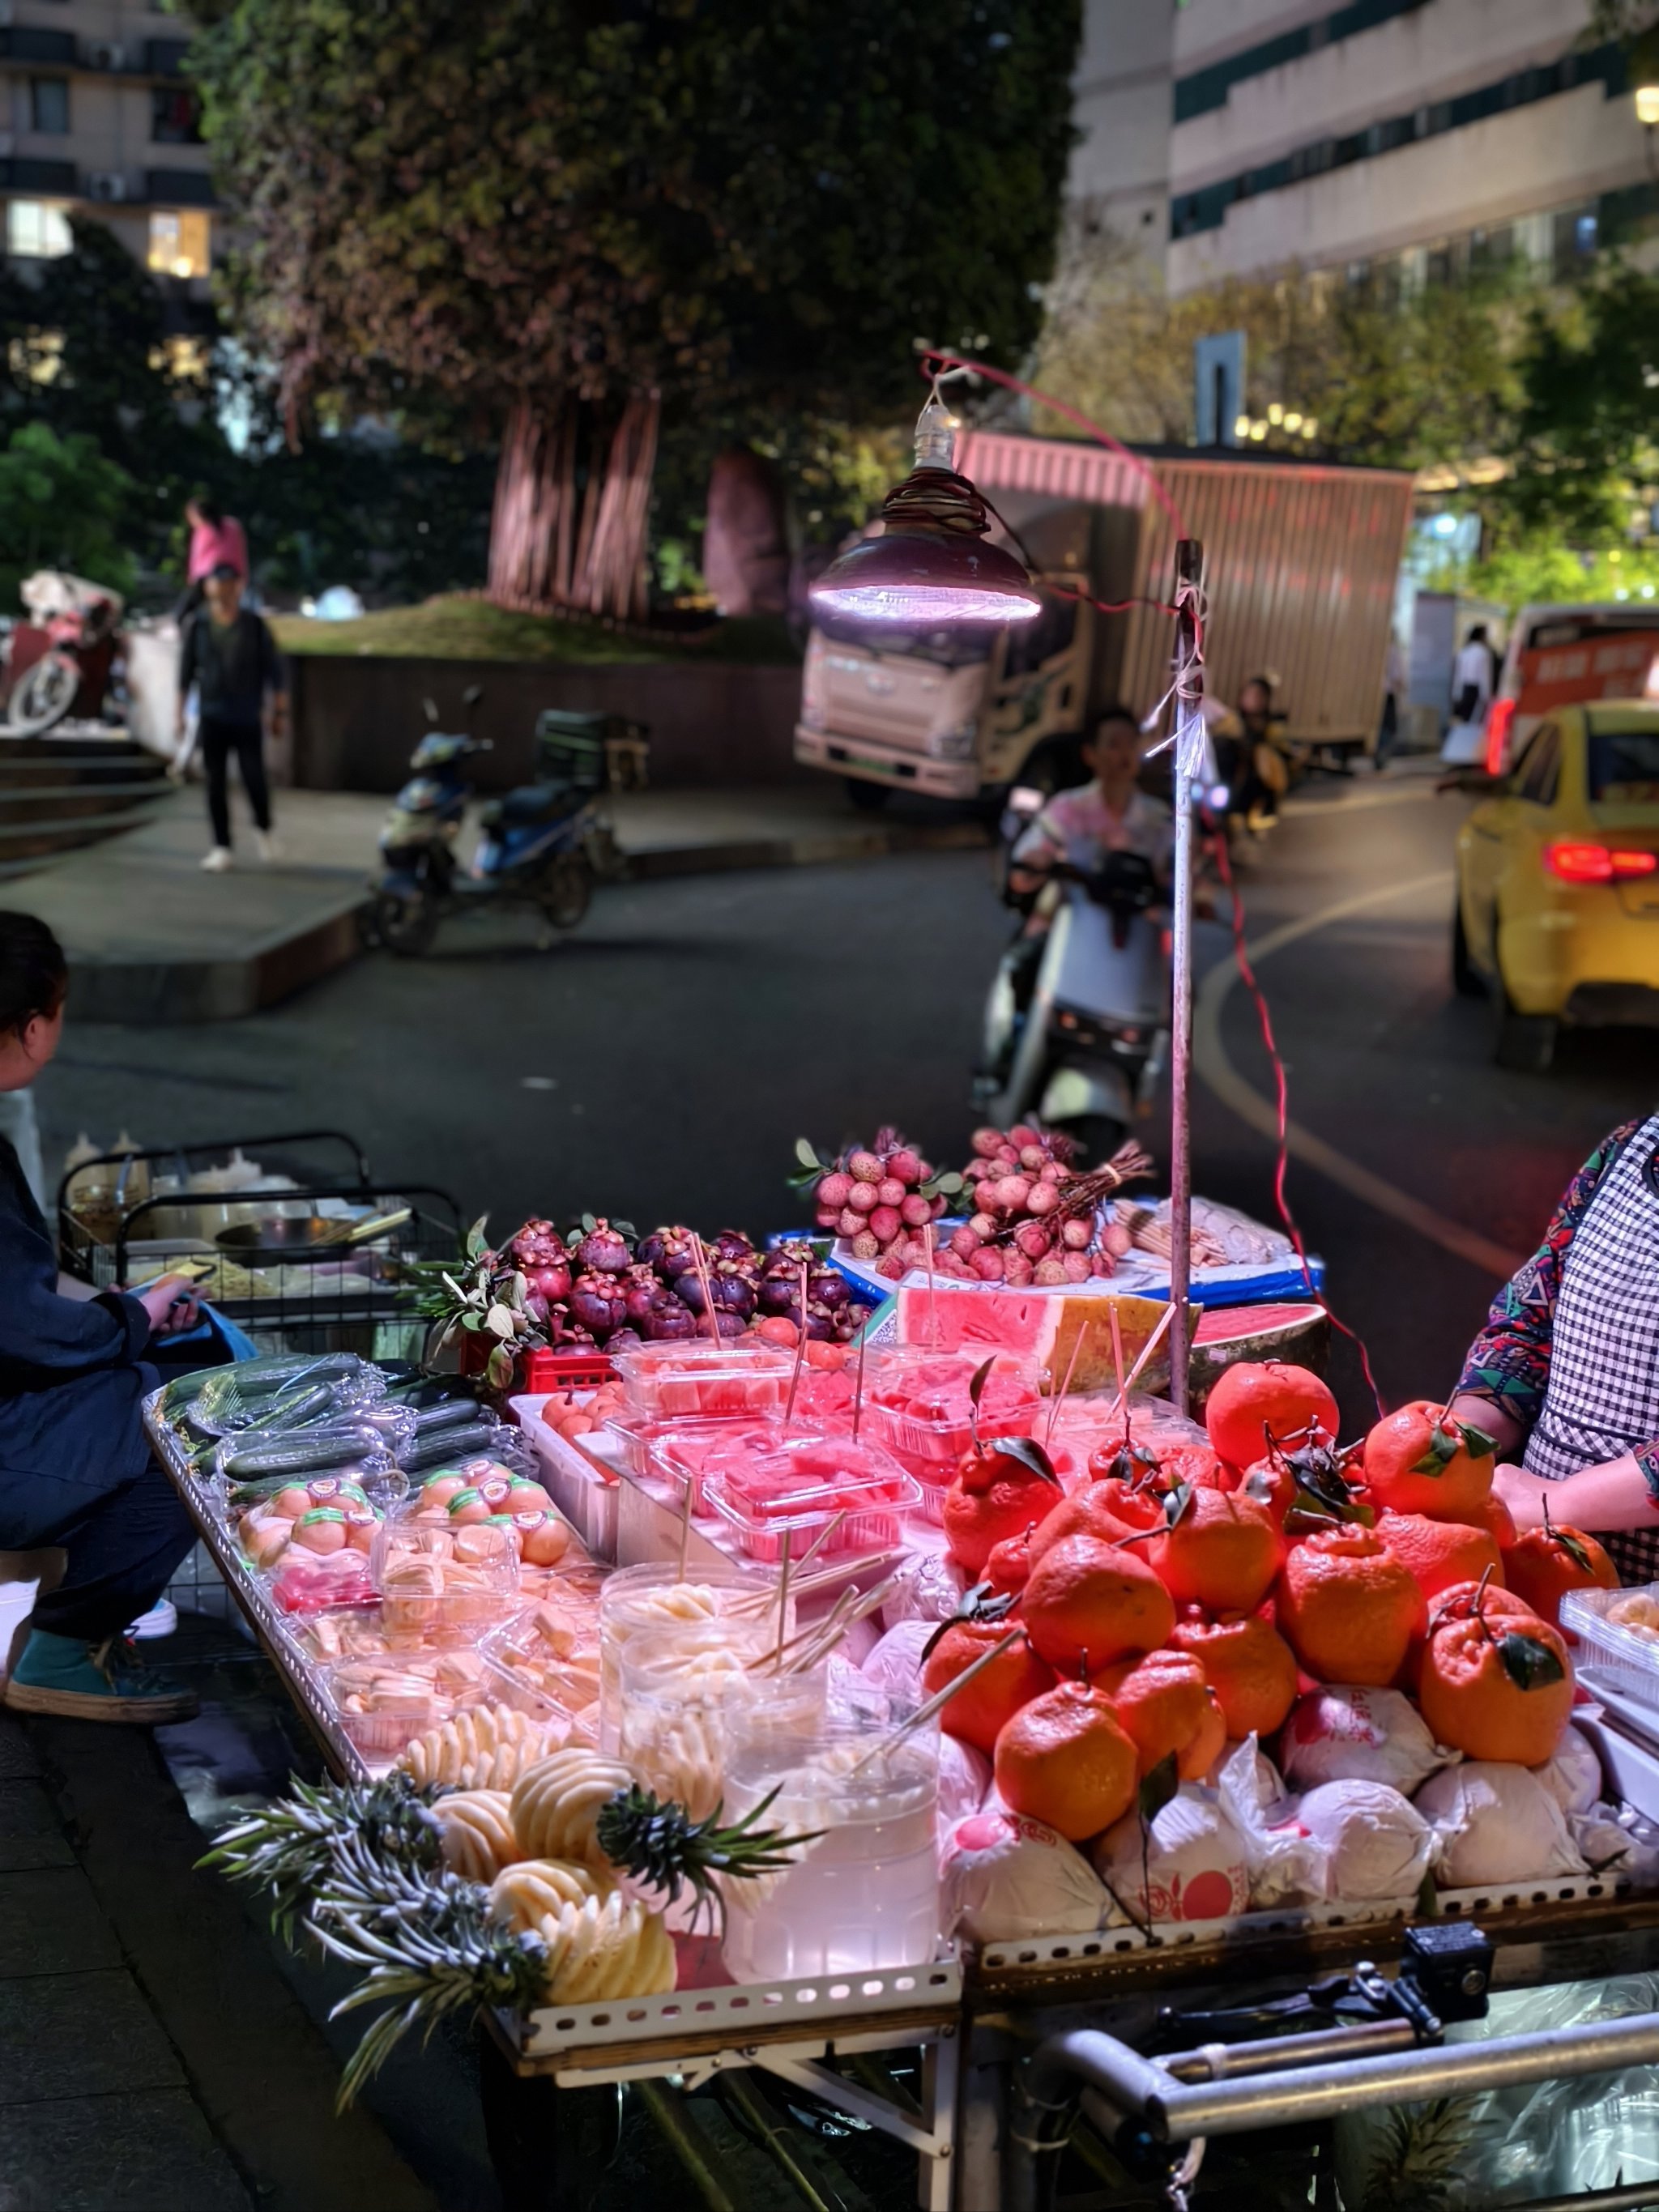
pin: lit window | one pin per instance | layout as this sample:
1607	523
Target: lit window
181	243
37	229
49	105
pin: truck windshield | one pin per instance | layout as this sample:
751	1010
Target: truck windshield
947	648
1624	766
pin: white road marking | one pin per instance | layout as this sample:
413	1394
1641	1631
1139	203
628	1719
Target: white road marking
1210	1058
1351	802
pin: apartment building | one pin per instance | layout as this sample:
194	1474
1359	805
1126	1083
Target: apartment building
96	119
1413	135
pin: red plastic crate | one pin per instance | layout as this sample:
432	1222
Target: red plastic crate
543	1369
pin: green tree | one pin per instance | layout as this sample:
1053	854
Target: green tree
554	219
1584	442
61	507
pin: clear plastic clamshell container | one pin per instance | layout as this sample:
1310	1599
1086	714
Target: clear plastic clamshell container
732	1378
675	1452
546	1659
441	1585
918	1404
1617	1634
381	1705
766	1485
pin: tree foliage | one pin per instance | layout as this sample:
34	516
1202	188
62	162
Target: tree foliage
1584	442
63	503
490	212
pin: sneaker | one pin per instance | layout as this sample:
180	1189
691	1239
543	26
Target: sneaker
216	859
267	844
68	1677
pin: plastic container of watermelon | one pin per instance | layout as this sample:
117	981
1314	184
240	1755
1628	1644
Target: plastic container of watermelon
729	1378
917	1402
764	1485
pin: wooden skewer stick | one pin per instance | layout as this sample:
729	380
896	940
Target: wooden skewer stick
685	1524
1117	1348
800	1354
832	1631
1055	1399
821	1539
1146	1352
933	1303
700	1260
858	1388
783	1590
924	1713
761	1601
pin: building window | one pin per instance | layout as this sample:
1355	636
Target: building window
181	242
49	105
175	119
37	230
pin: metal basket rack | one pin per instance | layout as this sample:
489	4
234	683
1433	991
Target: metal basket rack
310	1297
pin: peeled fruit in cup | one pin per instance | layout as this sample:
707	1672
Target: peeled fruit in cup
1420	1461
1495	1684
1347	1608
1265	1401
1065	1759
1088	1603
1001	1487
1223	1551
1248	1665
1440	1553
979	1712
1165	1704
1544	1564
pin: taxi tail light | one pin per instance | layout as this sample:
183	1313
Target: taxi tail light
1598	864
1498	720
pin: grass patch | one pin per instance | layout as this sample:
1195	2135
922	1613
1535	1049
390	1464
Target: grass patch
457	626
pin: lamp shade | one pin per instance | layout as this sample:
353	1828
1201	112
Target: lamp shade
933	564
926	576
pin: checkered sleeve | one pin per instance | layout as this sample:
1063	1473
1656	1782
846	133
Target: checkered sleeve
1509	1362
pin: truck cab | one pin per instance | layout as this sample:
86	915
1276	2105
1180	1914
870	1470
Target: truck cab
947	712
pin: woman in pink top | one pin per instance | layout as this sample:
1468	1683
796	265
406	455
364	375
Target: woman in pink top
215	538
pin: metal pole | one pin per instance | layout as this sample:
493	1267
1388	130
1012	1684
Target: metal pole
1189	703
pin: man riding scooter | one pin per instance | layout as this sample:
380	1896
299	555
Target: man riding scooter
1079	1007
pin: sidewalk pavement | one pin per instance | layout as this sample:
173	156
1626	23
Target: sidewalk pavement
152	938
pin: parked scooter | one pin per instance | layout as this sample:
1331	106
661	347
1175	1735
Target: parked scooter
1088	1050
542	846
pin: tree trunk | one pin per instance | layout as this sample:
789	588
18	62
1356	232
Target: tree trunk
572	498
746	547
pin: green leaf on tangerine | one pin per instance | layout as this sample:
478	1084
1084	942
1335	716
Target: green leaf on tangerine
1529	1664
1177	1503
981	1377
1159	1785
1476	1442
1445	1444
1027	1452
1573	1545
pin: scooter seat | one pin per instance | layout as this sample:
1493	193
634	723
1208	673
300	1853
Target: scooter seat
532	803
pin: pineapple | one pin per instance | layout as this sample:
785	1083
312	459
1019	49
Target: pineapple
478	1833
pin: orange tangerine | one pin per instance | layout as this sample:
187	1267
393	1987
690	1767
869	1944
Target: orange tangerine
1348	1607
1248	1665
1065	1759
1088	1603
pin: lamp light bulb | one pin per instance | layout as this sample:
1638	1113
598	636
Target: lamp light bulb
1647	104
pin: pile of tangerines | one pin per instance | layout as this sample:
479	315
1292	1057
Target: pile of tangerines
1173	1603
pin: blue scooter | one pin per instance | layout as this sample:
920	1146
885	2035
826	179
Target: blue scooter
544	845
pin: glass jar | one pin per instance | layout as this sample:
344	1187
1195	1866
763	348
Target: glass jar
715	1608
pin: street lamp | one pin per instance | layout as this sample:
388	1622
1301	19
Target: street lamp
1643	66
933	562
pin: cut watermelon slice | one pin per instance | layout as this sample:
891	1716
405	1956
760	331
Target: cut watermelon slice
1044	1326
1225	1334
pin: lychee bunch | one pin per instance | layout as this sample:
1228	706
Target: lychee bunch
1022	1230
880	1197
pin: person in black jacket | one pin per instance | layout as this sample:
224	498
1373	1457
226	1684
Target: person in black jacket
75	1467
229	654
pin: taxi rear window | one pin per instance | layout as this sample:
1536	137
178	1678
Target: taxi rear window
1624	767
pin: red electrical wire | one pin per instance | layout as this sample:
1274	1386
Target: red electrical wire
934	362
1281	1099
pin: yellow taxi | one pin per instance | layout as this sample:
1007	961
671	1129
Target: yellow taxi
1557	880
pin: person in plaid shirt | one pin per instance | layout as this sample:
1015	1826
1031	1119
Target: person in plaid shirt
1566	1369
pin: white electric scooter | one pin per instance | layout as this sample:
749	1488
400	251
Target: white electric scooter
1094	1040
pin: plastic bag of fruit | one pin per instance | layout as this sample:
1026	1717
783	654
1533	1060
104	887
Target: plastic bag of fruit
1573	1776
1344	1733
1192	1864
931	1592
1004	1877
895	1663
1347	1841
1495	1823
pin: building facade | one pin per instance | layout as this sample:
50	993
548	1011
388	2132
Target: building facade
1385	135
97	119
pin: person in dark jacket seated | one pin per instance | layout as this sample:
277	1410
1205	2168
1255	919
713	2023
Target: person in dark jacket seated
75	1467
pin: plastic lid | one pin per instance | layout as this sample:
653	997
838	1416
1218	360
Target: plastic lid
764	1479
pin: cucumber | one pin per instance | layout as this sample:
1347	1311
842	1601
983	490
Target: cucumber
451	1413
297	1456
439	1446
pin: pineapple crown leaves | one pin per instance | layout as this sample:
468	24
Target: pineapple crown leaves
1446	1439
980	1606
662	1846
288	1849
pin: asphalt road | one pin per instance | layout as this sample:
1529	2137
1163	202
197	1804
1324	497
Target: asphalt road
661	1064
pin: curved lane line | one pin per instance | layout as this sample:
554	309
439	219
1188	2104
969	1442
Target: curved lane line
1210	1058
